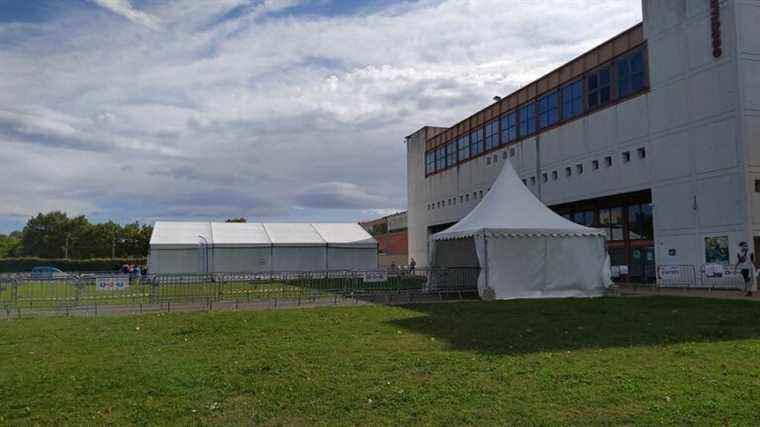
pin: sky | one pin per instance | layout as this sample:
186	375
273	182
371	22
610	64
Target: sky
273	110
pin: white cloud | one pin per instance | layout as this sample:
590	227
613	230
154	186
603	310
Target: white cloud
125	9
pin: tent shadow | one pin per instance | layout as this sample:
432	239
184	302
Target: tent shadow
533	326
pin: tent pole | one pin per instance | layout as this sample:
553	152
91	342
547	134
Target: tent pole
485	255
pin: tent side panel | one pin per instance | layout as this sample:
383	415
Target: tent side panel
174	261
516	268
352	258
456	253
576	267
242	260
295	258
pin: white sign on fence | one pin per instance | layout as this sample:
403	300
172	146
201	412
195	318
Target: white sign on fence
112	283
670	272
375	276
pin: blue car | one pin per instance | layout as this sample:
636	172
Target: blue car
44	273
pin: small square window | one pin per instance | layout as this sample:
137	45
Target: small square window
757	186
488	160
454	200
626	156
480	195
461	199
568	171
449	202
544	177
474	194
595	164
467	197
579	168
642	152
504	155
555	175
496	158
533	180
525	182
511	152
608	161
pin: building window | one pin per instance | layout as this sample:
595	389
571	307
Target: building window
595	164
527	119
626	156
757	186
544	177
476	142
568	171
429	162
496	158
509	127
584	218
463	146
461	199
504	155
488	160
642	152
525	182
611	220
492	135
579	168
467	197
572	100
533	180
608	161
451	154
454	201
599	93
480	195
440	159
548	110
630	74
555	175
640	224
475	195
511	152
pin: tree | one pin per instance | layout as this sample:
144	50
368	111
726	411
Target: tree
10	245
241	219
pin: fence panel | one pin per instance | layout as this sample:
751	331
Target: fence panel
723	277
676	276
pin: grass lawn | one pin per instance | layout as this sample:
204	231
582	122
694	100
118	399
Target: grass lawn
609	360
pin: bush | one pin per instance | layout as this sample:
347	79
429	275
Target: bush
20	265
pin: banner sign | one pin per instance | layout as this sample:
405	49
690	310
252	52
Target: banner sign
670	272
375	276
112	283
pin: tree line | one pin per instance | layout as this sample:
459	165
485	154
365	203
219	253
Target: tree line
56	235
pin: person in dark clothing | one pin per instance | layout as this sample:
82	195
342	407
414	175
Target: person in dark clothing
746	266
412	266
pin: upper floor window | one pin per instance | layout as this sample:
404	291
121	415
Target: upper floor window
492	135
527	116
451	154
509	127
548	110
463	146
599	93
572	100
429	162
476	142
440	159
630	74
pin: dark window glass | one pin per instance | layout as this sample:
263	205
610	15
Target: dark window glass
630	74
509	127
492	135
584	218
616	223
527	117
640	225
429	162
451	154
476	142
440	159
548	110
463	146
572	100
599	93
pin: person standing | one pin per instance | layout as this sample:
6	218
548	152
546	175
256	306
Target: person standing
745	265
412	266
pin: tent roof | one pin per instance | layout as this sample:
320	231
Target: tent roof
509	209
169	233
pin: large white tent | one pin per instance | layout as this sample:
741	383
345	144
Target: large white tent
211	247
523	248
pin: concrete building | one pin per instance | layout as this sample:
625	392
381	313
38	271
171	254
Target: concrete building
653	136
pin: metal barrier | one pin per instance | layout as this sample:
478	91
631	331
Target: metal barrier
21	293
716	276
707	277
676	276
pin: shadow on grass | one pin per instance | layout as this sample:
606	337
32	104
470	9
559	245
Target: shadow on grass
529	326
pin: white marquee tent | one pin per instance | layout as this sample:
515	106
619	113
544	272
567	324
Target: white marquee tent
200	247
524	249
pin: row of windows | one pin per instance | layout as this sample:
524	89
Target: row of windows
636	219
622	78
452	201
641	153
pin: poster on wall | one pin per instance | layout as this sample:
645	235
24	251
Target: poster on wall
716	250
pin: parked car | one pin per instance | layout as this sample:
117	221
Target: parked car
45	272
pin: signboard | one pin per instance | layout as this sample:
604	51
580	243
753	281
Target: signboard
375	276
670	272
112	283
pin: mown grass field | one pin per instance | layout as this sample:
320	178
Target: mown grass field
604	361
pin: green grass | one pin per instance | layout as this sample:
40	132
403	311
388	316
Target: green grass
604	361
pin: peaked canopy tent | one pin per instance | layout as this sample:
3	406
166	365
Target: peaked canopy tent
210	247
523	248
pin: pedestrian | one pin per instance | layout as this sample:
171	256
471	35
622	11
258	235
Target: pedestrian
745	266
412	265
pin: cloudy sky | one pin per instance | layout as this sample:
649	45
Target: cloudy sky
276	110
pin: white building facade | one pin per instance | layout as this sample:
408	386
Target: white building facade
653	136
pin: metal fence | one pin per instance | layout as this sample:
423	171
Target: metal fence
106	293
707	277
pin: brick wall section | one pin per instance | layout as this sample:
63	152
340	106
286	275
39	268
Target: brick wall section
396	243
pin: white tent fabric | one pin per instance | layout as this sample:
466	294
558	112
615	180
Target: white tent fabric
523	248
199	247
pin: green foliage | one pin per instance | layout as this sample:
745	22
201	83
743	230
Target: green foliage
10	245
607	361
55	235
19	265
